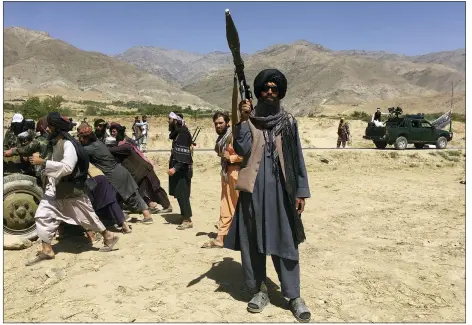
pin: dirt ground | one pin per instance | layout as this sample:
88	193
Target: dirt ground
385	243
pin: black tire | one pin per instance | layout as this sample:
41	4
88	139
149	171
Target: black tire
401	143
21	197
380	144
419	145
441	143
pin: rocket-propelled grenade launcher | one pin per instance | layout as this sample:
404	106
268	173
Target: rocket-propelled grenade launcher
233	43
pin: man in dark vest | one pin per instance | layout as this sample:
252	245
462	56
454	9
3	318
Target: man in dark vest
65	199
180	168
273	186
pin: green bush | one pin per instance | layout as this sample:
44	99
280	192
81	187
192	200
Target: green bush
363	116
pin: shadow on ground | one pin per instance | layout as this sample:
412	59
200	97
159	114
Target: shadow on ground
228	274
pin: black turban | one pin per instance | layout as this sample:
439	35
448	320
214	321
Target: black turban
99	122
60	123
270	75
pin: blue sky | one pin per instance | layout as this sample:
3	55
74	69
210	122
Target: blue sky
410	28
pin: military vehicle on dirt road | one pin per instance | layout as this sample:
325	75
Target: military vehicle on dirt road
401	130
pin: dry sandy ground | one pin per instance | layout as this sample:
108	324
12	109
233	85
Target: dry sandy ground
385	243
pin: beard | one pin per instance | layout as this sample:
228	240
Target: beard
267	106
52	137
99	133
171	127
221	132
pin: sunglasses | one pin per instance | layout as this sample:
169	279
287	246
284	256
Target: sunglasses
266	88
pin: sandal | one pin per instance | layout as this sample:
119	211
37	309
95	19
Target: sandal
109	247
40	256
185	225
300	310
147	221
211	244
127	232
258	302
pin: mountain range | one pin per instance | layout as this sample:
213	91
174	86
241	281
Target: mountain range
35	63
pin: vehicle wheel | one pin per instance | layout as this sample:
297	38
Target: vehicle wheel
401	143
419	145
441	143
380	144
21	197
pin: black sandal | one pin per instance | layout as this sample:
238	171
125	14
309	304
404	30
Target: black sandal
300	310
258	302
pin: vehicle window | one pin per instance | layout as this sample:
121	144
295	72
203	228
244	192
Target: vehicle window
425	125
415	124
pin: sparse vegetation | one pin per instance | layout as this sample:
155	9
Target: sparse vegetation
359	115
34	108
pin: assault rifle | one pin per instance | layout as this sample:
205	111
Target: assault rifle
239	77
195	135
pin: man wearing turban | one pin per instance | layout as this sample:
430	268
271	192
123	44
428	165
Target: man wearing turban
180	167
101	132
117	175
65	199
273	186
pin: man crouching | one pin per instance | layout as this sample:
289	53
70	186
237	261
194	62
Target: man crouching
65	199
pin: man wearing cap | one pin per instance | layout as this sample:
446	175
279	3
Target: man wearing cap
16	127
273	186
64	199
180	168
117	175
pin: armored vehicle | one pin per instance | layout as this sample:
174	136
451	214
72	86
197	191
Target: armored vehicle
407	129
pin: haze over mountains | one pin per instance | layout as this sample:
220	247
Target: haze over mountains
36	63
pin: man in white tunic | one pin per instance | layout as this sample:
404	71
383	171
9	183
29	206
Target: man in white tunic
65	199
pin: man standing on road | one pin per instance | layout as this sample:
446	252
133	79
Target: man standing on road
343	133
144	133
64	199
230	162
273	186
180	168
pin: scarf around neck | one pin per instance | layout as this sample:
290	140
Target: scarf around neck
222	143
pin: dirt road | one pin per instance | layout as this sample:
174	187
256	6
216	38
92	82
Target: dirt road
385	243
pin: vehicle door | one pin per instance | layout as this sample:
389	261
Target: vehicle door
416	134
428	131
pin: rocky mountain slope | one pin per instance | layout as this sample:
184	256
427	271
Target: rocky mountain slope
35	63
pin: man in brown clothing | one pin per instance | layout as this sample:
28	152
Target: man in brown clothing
229	177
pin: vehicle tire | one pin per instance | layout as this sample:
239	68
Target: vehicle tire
419	145
21	197
401	143
380	144
441	143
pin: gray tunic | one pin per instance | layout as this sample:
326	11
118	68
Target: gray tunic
117	175
268	204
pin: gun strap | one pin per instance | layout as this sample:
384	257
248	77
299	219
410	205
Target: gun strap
234	114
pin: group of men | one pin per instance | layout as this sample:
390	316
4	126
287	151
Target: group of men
264	185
